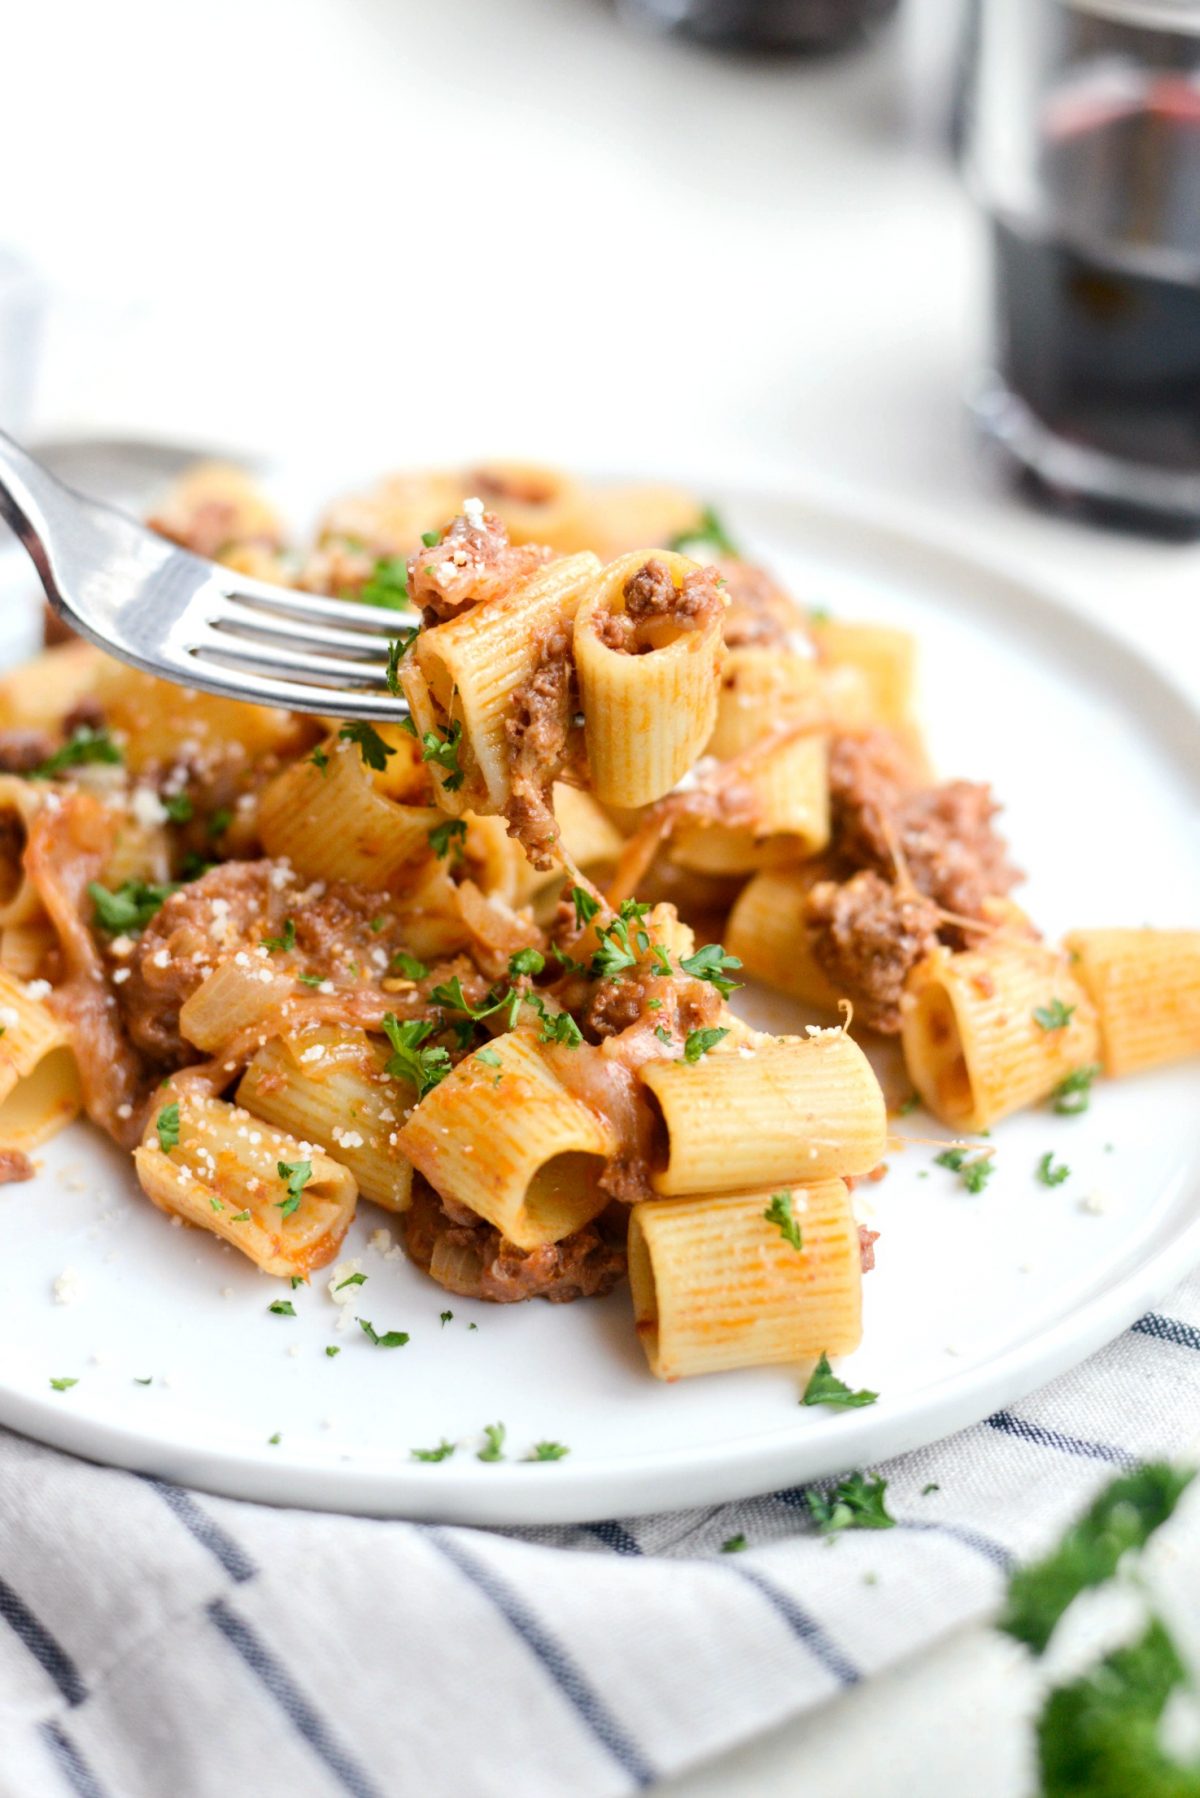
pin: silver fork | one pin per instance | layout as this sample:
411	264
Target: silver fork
191	621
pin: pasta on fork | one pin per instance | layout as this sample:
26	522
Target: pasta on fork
480	970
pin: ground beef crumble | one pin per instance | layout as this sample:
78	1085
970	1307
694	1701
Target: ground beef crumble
472	562
14	1166
653	601
538	729
585	1264
867	935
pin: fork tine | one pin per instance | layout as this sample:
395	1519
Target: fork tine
264	626
315	608
260	689
287	664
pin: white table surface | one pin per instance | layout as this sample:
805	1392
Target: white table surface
398	230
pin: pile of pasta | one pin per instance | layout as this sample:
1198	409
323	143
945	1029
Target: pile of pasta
477	968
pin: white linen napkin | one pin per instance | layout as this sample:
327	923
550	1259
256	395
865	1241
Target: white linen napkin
155	1641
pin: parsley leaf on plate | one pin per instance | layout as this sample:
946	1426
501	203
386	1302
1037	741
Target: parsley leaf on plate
494	1434
1050	1172
1074	1094
824	1388
854	1503
389	1338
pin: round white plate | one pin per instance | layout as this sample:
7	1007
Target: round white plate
974	1300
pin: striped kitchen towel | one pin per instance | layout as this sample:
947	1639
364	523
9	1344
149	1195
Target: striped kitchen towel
155	1641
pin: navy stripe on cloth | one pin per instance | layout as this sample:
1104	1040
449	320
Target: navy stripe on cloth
71	1764
1067	1445
291	1700
993	1551
209	1534
50	1655
614	1536
802	1625
570	1679
1168	1329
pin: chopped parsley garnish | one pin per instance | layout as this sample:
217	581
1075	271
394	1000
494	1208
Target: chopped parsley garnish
371	746
450	995
494	1434
1055	1016
1124	1517
297	1280
311	979
387	585
421	1067
351	1280
855	1503
275	1440
614	954
1050	1174
709	533
409	966
556	1026
973	1174
445	1317
1074	1094
733	1545
489	1058
320	759
712	964
178	808
931	1487
64	1384
442	751
148	1381
526	961
222	818
780	1213
1101	1734
389	1339
908	1106
699	1042
431	539
282	1308
824	1388
130	907
453	831
297	1174
665	1036
442	1452
86	745
241	1217
585	906
332	1349
167	1126
548	1451
392	672
285	942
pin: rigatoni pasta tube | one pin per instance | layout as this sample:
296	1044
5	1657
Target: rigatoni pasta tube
790	1109
328	1086
615	520
716	1285
1145	985
886	657
222	1174
783	791
41	693
536	503
161	723
503	1136
761	689
337	820
768	932
981	1035
462	676
39	1082
649	707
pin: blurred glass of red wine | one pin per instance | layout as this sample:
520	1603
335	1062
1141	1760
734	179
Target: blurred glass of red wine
1086	154
797	25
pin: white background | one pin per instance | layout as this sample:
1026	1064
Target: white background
409	229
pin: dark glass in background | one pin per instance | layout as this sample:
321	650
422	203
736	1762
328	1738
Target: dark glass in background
1093	393
790	25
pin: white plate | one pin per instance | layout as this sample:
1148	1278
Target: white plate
974	1302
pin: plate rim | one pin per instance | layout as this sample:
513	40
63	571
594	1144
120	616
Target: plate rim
513	1495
